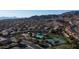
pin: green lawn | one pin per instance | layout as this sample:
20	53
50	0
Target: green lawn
60	37
69	43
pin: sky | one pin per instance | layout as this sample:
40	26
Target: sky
28	13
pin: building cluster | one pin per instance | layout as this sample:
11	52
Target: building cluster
39	34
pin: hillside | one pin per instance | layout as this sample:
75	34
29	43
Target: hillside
44	31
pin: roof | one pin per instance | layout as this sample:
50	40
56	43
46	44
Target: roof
2	39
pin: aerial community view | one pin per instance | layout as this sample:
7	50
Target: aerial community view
39	29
